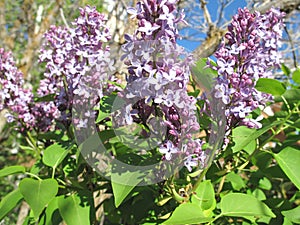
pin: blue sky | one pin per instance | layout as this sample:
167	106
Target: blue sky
213	7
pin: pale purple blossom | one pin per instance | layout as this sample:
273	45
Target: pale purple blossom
158	74
78	65
249	52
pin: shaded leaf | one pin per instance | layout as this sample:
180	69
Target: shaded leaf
203	76
51	215
290	95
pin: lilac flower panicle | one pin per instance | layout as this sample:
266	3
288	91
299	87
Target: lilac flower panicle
14	96
78	65
158	73
249	52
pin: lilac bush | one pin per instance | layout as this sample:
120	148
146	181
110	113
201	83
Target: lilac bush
72	176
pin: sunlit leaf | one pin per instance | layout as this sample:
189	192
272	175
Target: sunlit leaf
9	202
54	155
38	193
123	183
205	197
296	76
270	86
235	180
293	215
73	210
243	136
289	161
243	205
188	213
11	170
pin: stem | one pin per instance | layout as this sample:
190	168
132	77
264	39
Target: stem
33	175
203	173
281	128
32	143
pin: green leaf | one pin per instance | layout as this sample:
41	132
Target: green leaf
9	202
250	148
205	197
285	69
46	98
259	194
123	183
243	205
188	213
270	86
203	75
11	170
54	155
243	136
51	215
290	95
293	215
235	180
265	184
289	161
38	193
73	210
296	76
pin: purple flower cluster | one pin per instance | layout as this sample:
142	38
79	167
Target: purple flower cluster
78	65
249	52
14	96
158	72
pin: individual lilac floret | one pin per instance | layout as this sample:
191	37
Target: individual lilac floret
78	65
14	97
249	52
158	73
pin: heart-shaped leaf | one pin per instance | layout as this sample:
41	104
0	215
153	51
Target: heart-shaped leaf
38	193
